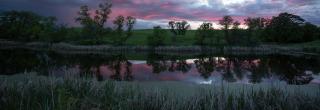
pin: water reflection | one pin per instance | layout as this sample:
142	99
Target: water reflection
155	67
160	64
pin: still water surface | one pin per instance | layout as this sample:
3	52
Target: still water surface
201	69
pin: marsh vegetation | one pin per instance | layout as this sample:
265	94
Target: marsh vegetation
30	92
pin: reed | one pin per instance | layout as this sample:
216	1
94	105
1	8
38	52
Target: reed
31	92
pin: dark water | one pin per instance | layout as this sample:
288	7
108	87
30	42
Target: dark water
202	69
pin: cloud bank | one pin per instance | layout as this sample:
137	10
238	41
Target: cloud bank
159	12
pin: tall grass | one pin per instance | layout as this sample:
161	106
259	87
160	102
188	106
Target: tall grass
22	92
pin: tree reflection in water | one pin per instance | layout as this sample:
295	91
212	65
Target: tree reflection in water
121	68
251	69
160	63
205	66
257	69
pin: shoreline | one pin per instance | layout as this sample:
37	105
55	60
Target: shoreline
105	49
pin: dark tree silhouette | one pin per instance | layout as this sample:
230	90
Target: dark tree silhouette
310	32
120	22
130	23
285	28
103	13
117	64
204	31
173	27
226	22
205	66
157	62
178	28
255	28
94	26
237	37
26	26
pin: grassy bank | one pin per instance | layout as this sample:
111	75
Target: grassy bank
109	49
29	92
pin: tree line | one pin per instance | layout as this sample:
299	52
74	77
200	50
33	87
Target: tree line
283	28
28	26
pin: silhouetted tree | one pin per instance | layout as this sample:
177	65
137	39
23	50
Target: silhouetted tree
103	13
226	22
236	33
25	26
130	22
119	22
94	27
172	27
284	28
204	31
310	32
182	27
178	28
255	28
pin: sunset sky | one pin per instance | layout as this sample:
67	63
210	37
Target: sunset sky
158	12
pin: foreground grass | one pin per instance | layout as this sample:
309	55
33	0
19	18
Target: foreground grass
30	92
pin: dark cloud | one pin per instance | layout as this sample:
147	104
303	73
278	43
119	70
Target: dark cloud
154	11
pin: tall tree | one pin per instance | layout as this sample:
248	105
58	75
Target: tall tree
94	26
236	25
25	26
86	21
172	27
285	28
178	28
255	28
226	22
120	22
310	32
236	33
130	22
182	27
103	13
203	32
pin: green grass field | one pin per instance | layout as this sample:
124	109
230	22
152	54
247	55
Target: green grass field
140	37
30	92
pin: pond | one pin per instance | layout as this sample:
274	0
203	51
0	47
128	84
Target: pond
200	69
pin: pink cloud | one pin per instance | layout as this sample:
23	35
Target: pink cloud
156	10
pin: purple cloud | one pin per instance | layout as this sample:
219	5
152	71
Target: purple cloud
158	12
